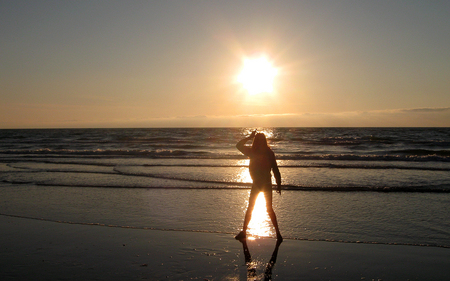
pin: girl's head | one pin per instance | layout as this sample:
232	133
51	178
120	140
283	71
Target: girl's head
260	141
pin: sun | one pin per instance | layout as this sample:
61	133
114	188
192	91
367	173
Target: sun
257	75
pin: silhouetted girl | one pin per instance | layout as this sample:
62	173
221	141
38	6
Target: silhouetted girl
262	161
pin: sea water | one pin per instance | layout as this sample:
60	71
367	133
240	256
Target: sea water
369	185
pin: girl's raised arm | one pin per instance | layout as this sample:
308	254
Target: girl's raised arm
246	150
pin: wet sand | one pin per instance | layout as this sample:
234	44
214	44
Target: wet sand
43	250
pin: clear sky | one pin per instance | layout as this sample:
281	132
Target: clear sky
175	63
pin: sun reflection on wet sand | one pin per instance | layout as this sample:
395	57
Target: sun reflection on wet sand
260	224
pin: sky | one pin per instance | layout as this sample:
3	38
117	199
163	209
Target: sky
91	64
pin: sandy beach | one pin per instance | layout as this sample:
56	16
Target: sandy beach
43	250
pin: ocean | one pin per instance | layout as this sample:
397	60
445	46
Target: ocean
353	185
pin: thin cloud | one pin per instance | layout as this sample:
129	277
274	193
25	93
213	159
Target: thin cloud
427	109
411	117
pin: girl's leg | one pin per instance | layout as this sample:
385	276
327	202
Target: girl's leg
271	212
251	204
248	214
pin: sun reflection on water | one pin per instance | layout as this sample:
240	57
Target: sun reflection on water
243	175
260	223
266	131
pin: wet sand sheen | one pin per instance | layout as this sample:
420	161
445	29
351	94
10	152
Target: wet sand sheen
47	250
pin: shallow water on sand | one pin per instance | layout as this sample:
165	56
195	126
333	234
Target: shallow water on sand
403	218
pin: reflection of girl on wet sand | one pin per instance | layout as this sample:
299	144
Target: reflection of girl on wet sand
251	266
262	161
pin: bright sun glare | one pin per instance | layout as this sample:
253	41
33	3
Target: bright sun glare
257	75
259	225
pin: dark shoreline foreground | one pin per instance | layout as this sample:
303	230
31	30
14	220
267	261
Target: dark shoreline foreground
42	250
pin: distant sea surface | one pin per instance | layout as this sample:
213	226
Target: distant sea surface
377	185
